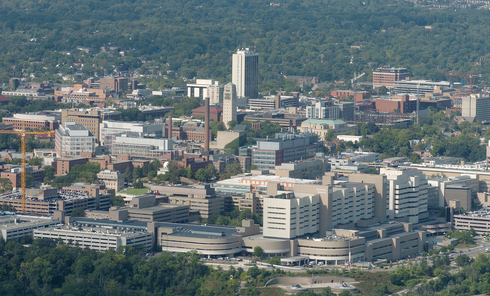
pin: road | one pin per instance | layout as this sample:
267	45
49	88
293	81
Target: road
225	265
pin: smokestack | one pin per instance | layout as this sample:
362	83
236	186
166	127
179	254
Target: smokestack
206	124
170	127
277	102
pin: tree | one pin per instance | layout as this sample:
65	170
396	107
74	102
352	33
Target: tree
78	212
463	260
200	175
155	165
138	184
137	173
6	184
216	126
210	172
151	175
128	174
232	124
117	200
330	135
188	173
275	260
327	292
29	180
233	169
48	173
36	161
258	252
251	291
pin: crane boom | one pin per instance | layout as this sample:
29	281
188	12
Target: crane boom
465	75
23	134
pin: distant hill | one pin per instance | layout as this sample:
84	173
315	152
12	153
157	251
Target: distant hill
196	38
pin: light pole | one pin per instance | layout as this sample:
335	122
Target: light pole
350	256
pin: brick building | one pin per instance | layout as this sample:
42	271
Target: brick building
215	112
64	165
117	84
387	76
401	104
33	121
358	96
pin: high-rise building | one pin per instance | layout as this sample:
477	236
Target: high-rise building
476	106
323	109
290	216
73	140
117	84
387	76
285	147
408	195
229	103
91	119
215	93
245	73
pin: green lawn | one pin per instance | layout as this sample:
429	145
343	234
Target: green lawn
463	246
135	191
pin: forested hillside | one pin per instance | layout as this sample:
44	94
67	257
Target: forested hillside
196	38
47	268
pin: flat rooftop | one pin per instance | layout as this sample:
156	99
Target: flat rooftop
14	222
153	209
269	178
111	223
199	230
181	229
481	213
62	194
105	231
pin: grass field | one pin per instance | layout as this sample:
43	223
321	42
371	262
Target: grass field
463	246
135	191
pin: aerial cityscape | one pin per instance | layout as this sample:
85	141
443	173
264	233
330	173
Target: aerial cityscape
298	147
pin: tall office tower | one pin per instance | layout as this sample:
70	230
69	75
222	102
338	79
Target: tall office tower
245	73
477	106
408	195
229	103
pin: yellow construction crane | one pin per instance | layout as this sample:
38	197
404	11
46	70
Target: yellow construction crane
23	134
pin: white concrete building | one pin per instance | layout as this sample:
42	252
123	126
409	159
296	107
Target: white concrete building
22	92
323	110
287	215
111	179
200	88
419	86
352	202
229	104
215	94
245	73
99	239
408	195
74	139
13	227
351	157
108	127
131	144
446	185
